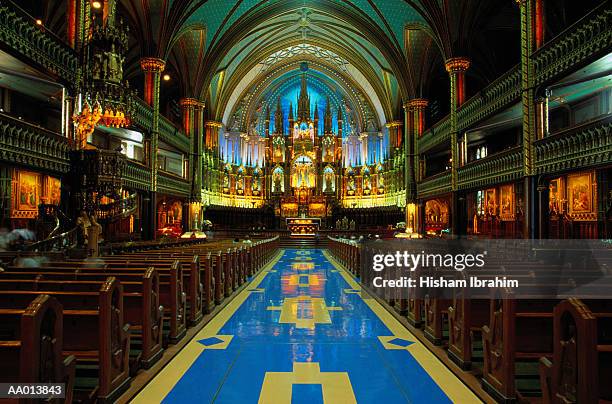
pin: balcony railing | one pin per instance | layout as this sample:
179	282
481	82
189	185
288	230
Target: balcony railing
587	38
20	33
497	168
28	144
435	185
136	176
171	184
497	95
437	134
585	145
168	132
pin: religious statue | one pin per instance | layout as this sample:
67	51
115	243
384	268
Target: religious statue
277	178
93	234
345	223
83	225
85	124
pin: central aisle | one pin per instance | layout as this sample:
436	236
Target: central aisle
301	332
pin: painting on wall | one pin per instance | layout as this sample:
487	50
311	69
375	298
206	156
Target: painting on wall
490	201
506	200
556	204
54	190
580	190
28	191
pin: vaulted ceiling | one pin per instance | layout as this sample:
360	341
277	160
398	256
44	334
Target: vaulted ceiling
385	50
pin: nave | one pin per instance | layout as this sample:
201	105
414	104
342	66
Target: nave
303	332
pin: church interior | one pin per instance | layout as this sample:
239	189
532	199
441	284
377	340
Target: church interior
192	193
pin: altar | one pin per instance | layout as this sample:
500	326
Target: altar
303	227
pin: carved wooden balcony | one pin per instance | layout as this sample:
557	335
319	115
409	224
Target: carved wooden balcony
22	37
172	135
31	145
586	145
494	169
434	185
137	176
584	41
172	184
436	135
168	132
498	95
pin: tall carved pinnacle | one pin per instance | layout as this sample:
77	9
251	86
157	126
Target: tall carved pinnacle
339	121
278	118
327	118
316	111
303	102
291	111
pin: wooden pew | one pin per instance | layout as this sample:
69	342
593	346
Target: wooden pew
171	292
519	332
31	345
190	279
94	332
581	368
141	305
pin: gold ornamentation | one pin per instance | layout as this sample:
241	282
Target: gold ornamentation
152	65
457	64
86	123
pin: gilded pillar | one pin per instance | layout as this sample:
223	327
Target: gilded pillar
152	68
188	115
409	185
532	36
418	106
198	142
456	68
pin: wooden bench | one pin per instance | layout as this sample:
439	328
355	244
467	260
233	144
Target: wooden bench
171	293
141	305
95	333
581	368
31	345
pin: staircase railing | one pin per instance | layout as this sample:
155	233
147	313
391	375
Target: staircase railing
62	241
117	210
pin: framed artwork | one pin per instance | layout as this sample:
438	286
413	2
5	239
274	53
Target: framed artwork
580	190
556	196
54	189
506	202
491	201
28	191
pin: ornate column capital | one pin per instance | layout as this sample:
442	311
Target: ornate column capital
214	124
188	102
153	65
457	64
521	3
394	124
418	103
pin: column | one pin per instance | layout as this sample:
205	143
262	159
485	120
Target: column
456	68
409	183
199	146
188	115
532	37
152	68
418	106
